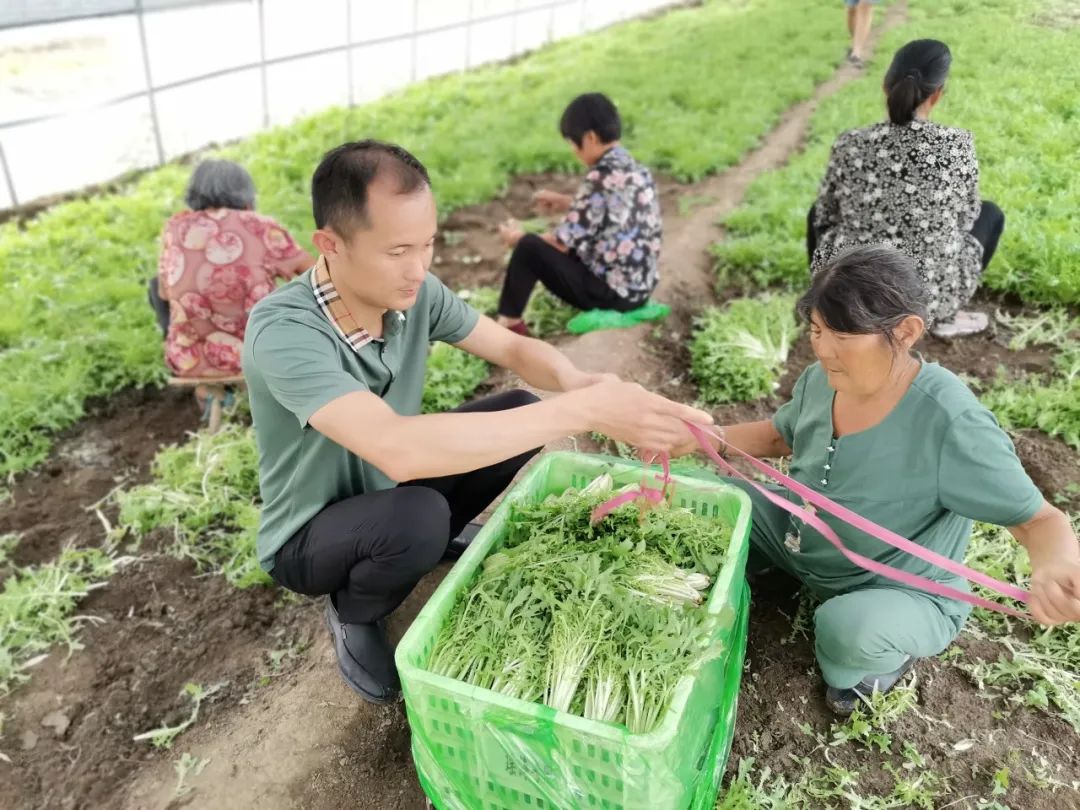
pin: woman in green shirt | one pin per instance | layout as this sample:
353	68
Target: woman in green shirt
904	443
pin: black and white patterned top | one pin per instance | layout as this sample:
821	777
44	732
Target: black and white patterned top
613	227
914	186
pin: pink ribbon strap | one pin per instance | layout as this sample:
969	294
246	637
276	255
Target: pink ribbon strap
809	516
645	493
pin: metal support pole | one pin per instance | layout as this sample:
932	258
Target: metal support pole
149	81
348	51
514	29
415	44
468	37
7	177
262	65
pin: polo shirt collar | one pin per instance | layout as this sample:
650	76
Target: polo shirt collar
329	300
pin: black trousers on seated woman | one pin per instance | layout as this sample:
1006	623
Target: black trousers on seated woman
987	231
564	274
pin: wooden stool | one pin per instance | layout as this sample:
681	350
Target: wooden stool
216	387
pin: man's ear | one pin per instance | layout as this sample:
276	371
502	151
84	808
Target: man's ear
327	242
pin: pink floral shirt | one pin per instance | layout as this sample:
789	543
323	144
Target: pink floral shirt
214	266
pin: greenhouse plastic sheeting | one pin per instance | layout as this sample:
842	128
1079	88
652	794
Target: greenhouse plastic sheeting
476	749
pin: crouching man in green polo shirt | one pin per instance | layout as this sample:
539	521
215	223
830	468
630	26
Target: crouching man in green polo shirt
335	365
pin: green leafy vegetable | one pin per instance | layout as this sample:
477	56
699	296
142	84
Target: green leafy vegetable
602	621
739	351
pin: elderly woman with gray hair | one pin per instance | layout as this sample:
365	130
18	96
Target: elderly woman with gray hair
217	260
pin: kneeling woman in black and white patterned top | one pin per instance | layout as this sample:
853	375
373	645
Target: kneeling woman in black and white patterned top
913	184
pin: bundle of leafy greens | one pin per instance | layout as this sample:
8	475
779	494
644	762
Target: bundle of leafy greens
602	621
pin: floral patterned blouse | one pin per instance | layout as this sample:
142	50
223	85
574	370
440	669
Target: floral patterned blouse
613	227
914	186
214	266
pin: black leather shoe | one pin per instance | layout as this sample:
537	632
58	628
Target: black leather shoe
460	544
365	658
844	701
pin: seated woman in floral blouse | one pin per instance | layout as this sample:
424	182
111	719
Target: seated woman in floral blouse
914	185
605	252
217	260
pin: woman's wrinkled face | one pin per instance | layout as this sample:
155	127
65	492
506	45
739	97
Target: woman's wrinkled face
855	364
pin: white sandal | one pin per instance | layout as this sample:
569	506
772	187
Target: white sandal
963	325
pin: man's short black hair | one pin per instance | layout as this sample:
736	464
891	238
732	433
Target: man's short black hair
339	187
591	111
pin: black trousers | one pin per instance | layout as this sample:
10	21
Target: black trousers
564	274
158	304
369	551
986	230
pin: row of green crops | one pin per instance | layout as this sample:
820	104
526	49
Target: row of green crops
1050	400
1050	403
37	604
739	350
1015	84
206	493
697	87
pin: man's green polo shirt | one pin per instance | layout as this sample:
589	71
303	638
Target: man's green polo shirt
298	359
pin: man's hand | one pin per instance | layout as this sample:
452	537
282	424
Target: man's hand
510	232
1055	591
626	412
549	202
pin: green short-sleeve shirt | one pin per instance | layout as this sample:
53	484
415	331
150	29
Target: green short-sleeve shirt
936	463
295	362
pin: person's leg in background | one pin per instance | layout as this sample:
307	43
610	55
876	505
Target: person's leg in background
988	229
871	638
811	236
863	16
163	314
564	275
158	304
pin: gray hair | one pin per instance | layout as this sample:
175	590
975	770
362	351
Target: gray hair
220	184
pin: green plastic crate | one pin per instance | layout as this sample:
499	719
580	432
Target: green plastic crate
476	749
